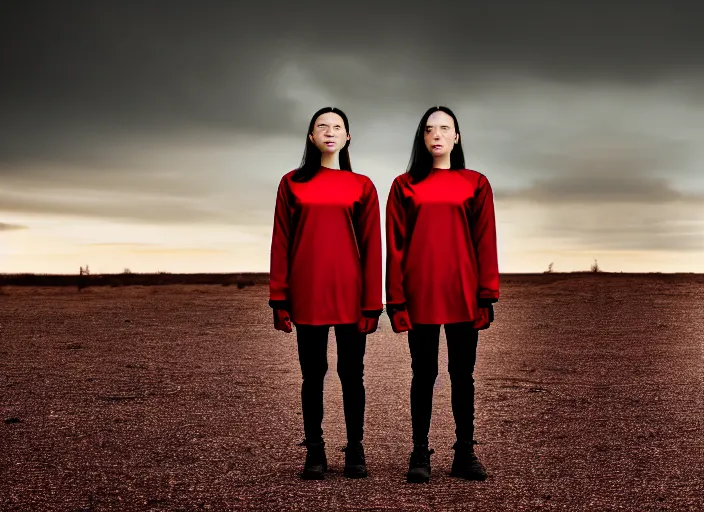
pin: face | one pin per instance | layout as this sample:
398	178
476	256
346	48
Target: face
329	134
440	135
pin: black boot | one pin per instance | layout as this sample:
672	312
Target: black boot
419	465
466	464
355	463
316	463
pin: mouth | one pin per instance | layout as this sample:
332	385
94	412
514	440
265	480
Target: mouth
330	144
436	146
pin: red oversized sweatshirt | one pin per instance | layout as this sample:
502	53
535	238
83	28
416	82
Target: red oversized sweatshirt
441	246
326	248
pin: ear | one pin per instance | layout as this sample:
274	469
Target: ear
310	136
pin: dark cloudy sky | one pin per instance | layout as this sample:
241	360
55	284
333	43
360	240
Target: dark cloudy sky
152	135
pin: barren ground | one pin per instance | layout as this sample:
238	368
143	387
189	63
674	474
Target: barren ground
589	397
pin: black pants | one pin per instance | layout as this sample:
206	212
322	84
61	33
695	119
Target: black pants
312	354
423	341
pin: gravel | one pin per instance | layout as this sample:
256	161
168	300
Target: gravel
589	397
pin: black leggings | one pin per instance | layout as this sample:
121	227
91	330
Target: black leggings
423	341
312	354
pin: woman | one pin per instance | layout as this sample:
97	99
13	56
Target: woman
441	269
326	271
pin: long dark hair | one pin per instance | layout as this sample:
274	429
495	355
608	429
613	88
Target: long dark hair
310	164
421	161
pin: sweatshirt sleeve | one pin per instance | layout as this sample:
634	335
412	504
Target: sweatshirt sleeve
395	246
483	231
278	274
369	241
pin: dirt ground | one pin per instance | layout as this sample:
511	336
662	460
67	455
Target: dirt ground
589	397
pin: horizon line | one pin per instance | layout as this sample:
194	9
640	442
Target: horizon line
248	273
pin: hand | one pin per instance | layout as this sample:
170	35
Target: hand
486	316
367	325
400	321
282	320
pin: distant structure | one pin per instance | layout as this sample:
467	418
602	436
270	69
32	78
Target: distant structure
595	267
82	278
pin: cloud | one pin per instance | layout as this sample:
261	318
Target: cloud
11	227
194	251
603	189
79	84
116	245
114	207
190	182
153	248
621	228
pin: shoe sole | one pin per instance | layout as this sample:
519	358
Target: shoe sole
355	474
355	471
314	475
413	478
